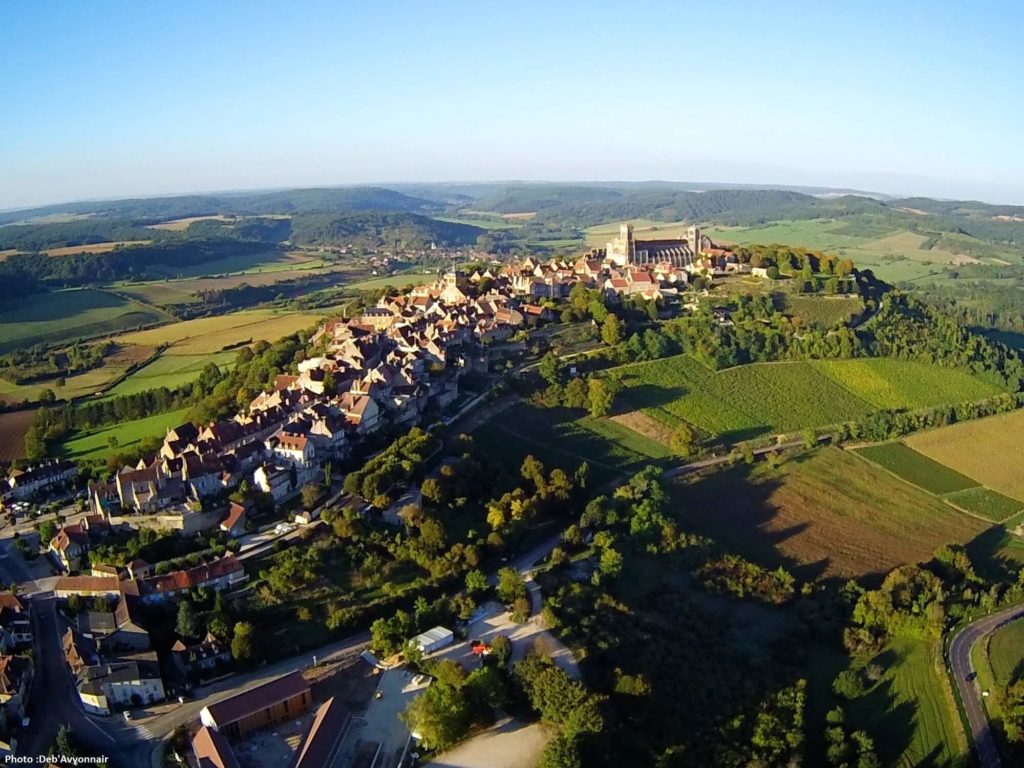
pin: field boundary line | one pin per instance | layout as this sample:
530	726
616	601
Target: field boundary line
925	490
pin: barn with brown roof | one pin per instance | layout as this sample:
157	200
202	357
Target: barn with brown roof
265	706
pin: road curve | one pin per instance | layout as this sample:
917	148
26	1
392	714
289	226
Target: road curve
968	690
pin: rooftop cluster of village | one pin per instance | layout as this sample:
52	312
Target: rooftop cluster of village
395	364
391	365
398	363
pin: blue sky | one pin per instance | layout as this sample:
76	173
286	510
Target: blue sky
111	99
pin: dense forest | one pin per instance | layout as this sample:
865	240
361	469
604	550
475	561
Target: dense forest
373	229
156	209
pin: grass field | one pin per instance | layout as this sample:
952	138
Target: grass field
256	271
559	437
270	261
826	514
989	450
910	713
63	316
1006	651
985	503
13	426
751	400
94	444
70	250
171	371
80	385
207	335
911	466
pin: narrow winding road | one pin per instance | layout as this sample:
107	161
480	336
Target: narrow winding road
967	684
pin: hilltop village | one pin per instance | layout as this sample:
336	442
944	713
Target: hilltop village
393	364
401	362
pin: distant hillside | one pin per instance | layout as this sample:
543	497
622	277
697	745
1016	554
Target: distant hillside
541	197
123	263
374	229
724	206
156	209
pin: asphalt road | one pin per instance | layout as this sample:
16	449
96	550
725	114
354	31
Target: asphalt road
968	690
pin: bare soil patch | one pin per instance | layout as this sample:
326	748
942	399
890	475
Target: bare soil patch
646	425
129	354
13	427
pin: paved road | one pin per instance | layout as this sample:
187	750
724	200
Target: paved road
54	702
968	690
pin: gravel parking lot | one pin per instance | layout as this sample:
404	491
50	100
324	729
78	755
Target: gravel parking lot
509	744
495	620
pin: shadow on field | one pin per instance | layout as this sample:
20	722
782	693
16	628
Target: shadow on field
738	513
890	724
647	396
984	551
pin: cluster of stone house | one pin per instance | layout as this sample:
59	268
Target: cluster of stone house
71	543
16	668
651	269
110	654
26	483
111	658
387	366
137	580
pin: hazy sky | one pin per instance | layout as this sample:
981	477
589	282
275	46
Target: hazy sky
104	99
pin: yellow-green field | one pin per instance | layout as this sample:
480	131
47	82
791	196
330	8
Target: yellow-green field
207	335
987	450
